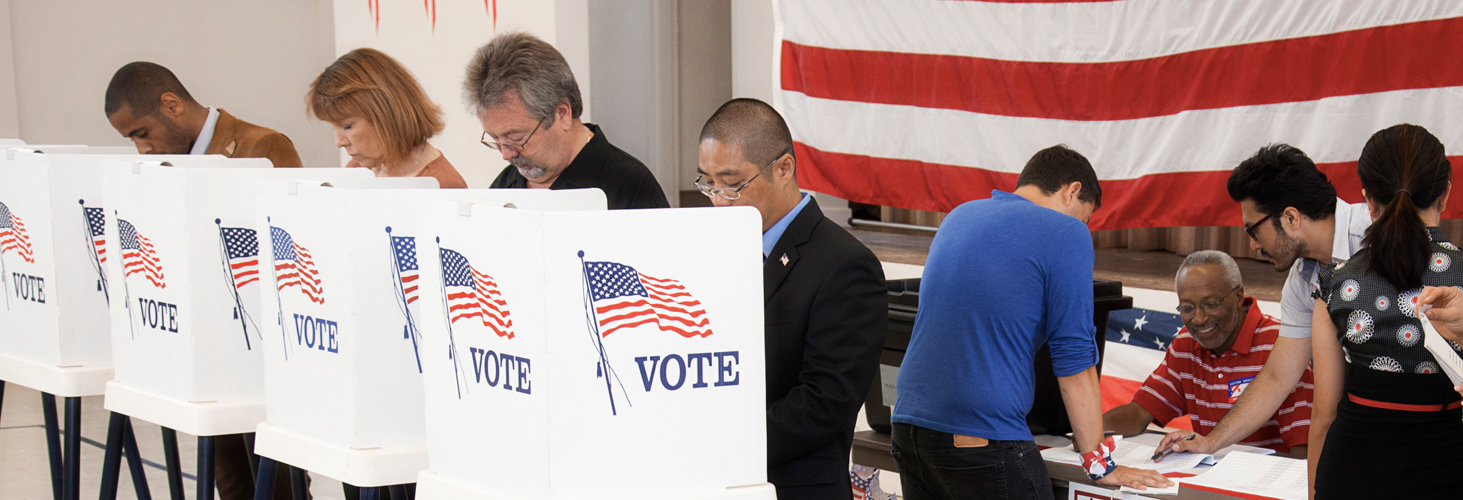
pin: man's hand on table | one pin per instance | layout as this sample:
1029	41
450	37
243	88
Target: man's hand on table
1177	441
1139	479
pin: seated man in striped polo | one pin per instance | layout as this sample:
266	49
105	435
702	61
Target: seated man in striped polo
1224	343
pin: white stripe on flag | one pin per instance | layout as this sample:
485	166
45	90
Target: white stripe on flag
1083	32
1329	130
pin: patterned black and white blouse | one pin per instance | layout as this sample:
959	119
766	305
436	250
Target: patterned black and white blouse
1377	324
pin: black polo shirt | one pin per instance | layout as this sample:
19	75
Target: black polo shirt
625	181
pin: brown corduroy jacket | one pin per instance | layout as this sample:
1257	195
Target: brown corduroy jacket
237	138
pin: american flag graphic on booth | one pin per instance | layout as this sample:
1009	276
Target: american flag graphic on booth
405	248
294	266
13	237
241	245
138	255
626	298
474	294
96	222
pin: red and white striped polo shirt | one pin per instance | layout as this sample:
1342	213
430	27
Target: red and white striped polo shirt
1197	382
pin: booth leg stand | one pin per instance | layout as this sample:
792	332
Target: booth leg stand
253	457
53	442
205	468
398	492
299	487
71	457
120	442
264	479
175	471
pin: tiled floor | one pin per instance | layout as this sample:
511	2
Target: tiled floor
24	466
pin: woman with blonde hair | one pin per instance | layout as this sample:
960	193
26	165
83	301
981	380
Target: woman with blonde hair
382	117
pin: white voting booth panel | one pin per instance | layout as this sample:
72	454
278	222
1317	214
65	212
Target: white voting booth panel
578	355
185	267
54	315
11	142
342	349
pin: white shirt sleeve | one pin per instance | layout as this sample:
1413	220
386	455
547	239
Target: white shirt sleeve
1296	304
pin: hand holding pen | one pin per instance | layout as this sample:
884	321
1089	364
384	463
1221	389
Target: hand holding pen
1158	457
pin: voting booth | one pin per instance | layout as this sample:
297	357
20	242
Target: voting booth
53	320
573	355
183	263
342	350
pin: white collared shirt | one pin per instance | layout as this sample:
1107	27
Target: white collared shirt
1296	302
205	136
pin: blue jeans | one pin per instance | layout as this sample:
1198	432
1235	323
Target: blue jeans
932	468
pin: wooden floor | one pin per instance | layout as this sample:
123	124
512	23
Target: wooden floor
1142	269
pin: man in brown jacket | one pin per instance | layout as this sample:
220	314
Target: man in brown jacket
147	104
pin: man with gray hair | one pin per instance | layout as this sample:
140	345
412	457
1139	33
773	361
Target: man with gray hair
1224	343
524	93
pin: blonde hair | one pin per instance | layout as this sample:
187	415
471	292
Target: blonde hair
368	83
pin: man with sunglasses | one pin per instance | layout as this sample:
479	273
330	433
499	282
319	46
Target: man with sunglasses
1224	343
523	92
824	294
1294	218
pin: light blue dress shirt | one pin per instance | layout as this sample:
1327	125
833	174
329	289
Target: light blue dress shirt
205	136
769	238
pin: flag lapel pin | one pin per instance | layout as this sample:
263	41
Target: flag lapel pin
783	259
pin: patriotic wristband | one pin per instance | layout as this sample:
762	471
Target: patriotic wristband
1098	462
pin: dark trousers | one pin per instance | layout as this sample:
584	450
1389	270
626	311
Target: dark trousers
932	468
232	476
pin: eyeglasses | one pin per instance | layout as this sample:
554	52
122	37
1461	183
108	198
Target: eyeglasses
1250	229
1211	306
727	193
516	148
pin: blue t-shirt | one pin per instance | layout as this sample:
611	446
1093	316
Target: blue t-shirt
1004	276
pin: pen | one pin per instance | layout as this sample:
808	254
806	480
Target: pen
1169	450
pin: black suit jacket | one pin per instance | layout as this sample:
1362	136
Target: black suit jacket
827	316
625	181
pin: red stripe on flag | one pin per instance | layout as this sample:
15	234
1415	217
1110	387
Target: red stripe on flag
1159	200
1405	56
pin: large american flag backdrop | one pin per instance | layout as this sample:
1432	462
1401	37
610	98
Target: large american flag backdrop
926	104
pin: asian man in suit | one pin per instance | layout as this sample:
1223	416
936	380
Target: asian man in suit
147	104
825	307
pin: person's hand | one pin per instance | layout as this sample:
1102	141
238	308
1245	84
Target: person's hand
1139	479
1178	441
1447	310
1446	313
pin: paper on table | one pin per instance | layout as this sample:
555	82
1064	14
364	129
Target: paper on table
1131	454
1219	455
1262	475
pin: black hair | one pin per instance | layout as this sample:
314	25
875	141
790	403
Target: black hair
754	127
1403	168
1052	168
139	86
1280	176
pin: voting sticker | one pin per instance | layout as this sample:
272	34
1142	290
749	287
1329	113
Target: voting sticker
1237	387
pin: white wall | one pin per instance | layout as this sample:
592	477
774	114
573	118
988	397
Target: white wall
256	59
705	74
754	50
633	61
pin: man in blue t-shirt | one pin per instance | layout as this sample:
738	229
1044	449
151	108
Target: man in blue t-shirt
1005	275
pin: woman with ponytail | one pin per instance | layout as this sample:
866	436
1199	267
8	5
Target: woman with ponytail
1386	421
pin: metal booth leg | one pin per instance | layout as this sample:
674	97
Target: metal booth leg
71	459
134	460
264	479
205	467
175	468
53	442
112	460
299	488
